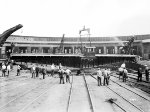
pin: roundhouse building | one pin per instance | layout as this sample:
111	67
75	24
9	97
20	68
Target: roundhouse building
46	49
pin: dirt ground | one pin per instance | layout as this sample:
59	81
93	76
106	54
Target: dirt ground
47	95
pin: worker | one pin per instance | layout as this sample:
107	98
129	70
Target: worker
52	69
139	79
18	70
43	71
125	74
68	73
108	75
147	72
33	71
37	69
120	72
123	65
60	66
3	69
105	80
99	77
61	75
8	69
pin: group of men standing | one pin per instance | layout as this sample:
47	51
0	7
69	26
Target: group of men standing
63	73
123	72
6	68
35	70
140	72
103	75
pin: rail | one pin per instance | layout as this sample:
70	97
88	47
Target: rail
88	93
2	107
39	96
147	87
70	94
122	98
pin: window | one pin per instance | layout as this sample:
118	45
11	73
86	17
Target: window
100	51
113	51
69	50
65	50
107	51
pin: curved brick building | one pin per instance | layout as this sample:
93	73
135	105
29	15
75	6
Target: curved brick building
105	49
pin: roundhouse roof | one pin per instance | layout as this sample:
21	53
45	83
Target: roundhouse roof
75	39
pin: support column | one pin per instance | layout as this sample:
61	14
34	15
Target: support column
105	52
116	49
29	49
73	50
40	50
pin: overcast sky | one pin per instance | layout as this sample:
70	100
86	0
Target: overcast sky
58	17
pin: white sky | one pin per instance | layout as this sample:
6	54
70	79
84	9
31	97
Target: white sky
58	17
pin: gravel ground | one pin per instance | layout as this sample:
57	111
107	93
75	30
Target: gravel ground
55	97
55	100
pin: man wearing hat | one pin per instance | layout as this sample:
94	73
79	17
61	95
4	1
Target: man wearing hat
61	76
99	77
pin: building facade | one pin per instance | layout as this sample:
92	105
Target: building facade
30	46
50	45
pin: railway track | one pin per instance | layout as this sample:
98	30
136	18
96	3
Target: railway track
136	98
38	97
92	108
39	91
84	92
134	83
2	79
6	79
133	75
4	84
143	86
121	95
7	89
107	98
70	92
27	96
123	86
